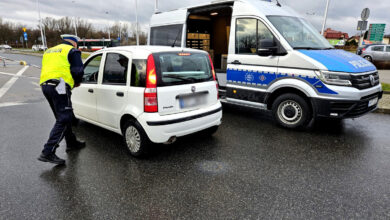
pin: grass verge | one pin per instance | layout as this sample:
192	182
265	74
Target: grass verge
386	87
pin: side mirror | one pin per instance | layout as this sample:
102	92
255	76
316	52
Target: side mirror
269	47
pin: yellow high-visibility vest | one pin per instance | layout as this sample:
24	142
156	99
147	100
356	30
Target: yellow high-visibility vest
55	64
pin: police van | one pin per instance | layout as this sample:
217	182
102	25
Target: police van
269	57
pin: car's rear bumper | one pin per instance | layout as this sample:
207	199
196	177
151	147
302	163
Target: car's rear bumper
161	128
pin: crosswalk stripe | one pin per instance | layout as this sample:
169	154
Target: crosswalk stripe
12	81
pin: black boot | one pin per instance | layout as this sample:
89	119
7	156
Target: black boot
77	145
51	158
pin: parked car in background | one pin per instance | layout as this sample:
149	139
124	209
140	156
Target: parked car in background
38	47
375	52
149	94
5	47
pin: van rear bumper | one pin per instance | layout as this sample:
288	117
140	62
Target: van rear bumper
161	128
344	108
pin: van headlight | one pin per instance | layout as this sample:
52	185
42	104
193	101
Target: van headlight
334	78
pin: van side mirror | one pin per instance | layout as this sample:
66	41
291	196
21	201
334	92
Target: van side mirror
270	47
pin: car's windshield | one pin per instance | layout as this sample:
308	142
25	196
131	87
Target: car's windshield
299	33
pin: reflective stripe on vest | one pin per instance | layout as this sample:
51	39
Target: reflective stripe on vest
55	64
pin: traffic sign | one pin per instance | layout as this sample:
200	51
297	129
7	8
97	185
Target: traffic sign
365	14
362	25
24	29
25	36
376	32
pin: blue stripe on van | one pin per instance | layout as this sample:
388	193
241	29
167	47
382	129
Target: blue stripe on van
262	78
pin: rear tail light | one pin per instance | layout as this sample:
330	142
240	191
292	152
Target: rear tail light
214	77
150	94
364	49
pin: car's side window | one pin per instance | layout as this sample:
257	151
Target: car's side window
250	32
91	70
115	69
377	48
388	49
138	73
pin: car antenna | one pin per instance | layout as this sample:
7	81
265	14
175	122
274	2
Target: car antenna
278	4
177	36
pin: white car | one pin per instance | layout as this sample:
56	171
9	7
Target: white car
5	47
149	94
37	47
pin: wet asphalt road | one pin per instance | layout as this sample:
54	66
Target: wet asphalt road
250	169
33	60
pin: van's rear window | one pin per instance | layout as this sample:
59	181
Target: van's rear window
182	68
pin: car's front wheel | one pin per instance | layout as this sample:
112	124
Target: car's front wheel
368	58
136	140
291	111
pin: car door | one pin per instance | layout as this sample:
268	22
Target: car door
387	54
112	89
84	96
245	67
378	53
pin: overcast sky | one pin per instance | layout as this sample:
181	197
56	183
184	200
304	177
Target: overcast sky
343	14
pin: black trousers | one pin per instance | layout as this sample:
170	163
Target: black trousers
61	106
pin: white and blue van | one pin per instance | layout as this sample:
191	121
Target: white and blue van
269	57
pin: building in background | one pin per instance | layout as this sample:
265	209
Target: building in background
335	38
386	39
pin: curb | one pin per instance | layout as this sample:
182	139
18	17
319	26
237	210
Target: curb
383	110
386	92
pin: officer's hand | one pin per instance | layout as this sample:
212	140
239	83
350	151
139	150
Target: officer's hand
77	85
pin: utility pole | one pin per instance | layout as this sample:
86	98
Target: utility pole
325	17
136	22
109	37
156	6
43	38
74	21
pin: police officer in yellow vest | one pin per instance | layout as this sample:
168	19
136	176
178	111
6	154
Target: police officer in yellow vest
62	70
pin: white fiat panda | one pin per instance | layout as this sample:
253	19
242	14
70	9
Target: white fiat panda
149	94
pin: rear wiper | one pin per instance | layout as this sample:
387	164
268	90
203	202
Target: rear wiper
177	77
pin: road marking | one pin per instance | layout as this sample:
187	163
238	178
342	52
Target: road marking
7	104
12	81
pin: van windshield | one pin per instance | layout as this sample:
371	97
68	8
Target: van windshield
299	33
182	68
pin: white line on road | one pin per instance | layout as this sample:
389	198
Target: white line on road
7	104
11	82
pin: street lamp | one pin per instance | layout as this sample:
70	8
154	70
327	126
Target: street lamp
325	16
108	26
136	22
74	21
43	38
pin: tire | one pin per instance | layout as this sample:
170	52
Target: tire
135	138
368	58
292	111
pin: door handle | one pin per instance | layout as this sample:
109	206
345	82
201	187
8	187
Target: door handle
90	90
236	62
120	94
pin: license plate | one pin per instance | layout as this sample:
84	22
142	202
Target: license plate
192	101
372	102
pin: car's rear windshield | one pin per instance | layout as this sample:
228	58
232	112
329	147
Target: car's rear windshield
176	68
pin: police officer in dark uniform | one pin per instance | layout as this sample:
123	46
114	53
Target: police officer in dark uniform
62	70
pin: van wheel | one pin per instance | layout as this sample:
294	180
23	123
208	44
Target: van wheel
368	58
291	111
136	140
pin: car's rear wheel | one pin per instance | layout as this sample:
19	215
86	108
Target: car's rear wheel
291	111
368	58
136	140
